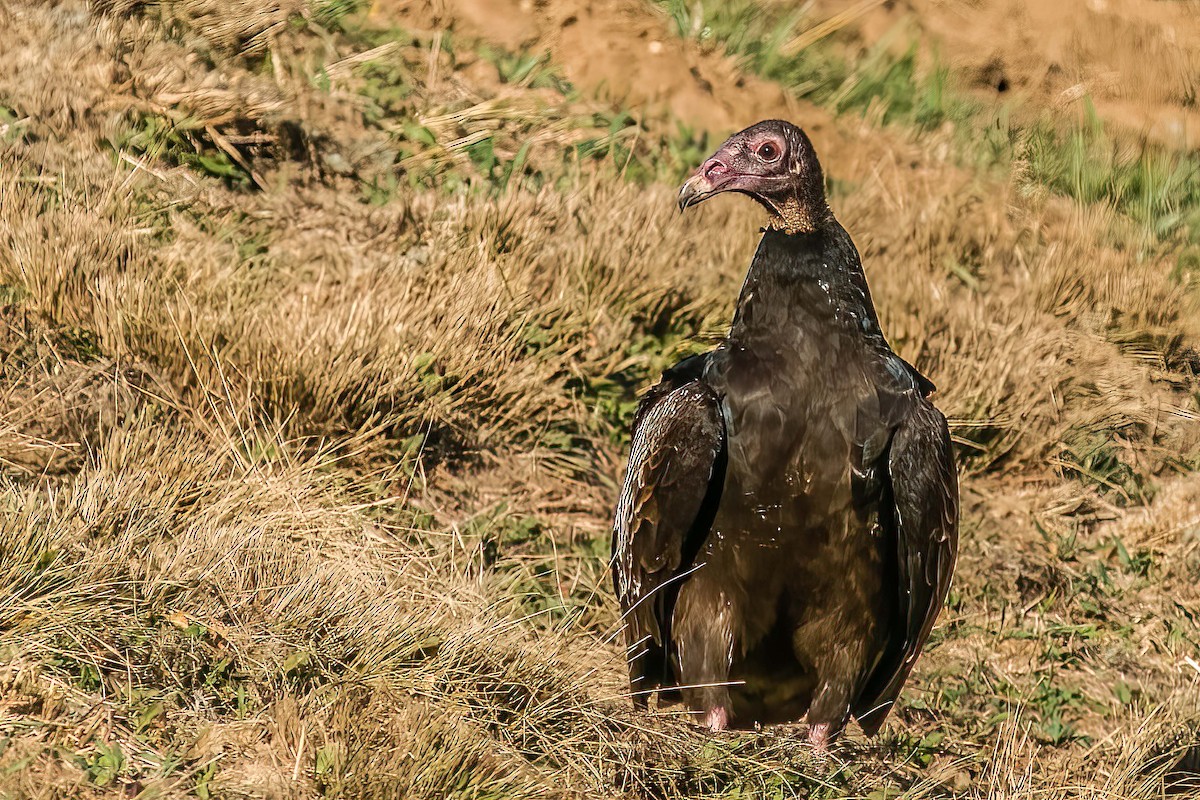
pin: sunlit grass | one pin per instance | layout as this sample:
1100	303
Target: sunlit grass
307	483
1159	189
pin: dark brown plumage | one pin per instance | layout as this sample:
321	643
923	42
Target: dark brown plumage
787	528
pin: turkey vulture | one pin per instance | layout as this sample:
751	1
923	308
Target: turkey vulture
788	523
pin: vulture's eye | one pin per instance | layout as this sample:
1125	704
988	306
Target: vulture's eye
767	151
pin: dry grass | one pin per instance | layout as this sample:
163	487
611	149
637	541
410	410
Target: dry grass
306	486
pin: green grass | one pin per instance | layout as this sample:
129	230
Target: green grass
1159	189
182	142
896	87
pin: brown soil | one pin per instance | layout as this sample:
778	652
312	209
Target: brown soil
1138	60
621	50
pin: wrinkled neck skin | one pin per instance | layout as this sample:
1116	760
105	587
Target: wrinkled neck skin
794	214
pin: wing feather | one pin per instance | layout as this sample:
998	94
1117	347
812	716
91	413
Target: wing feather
665	508
924	497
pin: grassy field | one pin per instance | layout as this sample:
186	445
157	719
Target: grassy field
321	327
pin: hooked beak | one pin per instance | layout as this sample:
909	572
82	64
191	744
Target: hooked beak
706	181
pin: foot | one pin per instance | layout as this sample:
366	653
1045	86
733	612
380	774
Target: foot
819	737
716	719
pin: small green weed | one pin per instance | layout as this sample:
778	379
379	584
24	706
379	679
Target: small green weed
184	143
1055	706
1093	456
105	765
202	788
532	70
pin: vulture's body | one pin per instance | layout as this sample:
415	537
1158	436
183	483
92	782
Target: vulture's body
787	527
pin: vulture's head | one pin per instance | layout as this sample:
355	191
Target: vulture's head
772	162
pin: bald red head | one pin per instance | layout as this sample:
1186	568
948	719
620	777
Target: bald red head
772	162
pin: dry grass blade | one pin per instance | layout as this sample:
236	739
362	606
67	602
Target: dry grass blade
830	26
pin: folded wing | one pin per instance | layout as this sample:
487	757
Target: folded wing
924	514
667	503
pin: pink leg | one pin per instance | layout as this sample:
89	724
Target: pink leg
818	737
716	719
828	704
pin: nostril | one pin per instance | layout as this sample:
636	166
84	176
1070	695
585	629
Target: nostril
714	168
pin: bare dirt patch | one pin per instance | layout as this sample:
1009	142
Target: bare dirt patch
1138	60
620	50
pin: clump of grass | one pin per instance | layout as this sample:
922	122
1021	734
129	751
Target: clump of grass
893	89
185	143
1160	190
1155	187
1095	457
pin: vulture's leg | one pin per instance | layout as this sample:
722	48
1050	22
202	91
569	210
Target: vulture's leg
845	614
704	634
717	718
828	714
818	737
837	670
